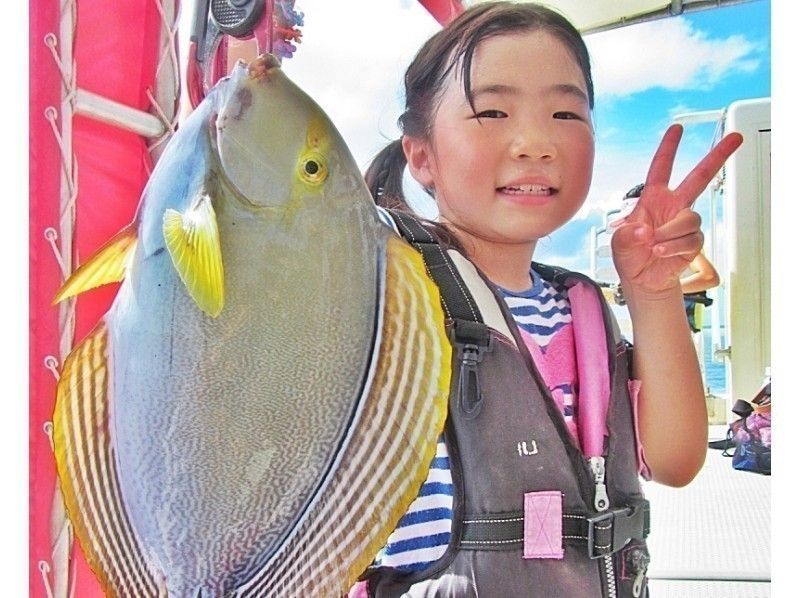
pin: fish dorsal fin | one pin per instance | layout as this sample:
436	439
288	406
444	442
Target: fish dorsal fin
107	265
87	470
192	238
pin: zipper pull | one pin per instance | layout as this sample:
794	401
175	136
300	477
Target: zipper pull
639	560
598	467
471	397
638	581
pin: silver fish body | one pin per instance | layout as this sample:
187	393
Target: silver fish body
232	436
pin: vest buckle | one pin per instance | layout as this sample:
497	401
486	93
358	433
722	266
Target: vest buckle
471	340
611	530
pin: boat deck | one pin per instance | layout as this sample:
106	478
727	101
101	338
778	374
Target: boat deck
711	539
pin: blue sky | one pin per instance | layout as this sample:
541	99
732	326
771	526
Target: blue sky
354	54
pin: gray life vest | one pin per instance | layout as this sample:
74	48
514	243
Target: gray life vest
531	515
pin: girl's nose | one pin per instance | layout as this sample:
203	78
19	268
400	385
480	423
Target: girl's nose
533	144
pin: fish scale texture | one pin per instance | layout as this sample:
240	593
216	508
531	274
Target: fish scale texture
224	506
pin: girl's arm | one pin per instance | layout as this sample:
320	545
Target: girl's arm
673	423
657	241
704	276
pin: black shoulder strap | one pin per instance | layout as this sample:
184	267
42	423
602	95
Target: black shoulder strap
469	334
550	273
458	302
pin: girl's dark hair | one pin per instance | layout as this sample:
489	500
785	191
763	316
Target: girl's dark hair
384	176
451	47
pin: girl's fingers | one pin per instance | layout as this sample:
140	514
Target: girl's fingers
687	246
630	235
684	223
664	158
697	180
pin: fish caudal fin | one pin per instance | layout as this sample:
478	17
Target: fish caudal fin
87	472
404	411
107	265
192	239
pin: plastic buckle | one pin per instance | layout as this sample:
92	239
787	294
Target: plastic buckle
625	523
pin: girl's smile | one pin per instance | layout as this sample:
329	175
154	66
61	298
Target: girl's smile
533	193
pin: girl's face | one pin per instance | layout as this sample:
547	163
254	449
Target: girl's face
522	167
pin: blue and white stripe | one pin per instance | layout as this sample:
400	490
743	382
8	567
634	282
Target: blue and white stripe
541	310
422	535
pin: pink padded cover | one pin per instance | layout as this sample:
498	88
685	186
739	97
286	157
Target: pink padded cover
542	525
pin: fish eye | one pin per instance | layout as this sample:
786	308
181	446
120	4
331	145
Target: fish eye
312	169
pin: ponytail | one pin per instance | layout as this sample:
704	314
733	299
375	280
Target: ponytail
384	177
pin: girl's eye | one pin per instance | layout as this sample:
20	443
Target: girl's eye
567	116
491	114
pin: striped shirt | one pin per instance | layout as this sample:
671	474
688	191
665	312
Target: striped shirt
423	533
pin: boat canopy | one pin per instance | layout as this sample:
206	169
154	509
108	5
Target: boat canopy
598	15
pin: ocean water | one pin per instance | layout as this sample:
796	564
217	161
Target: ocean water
714	370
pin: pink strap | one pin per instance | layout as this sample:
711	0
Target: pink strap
542	525
359	590
591	353
633	389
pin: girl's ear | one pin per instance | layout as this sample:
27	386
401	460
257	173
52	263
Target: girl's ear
420	160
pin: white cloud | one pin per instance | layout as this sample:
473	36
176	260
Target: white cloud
618	168
352	61
667	53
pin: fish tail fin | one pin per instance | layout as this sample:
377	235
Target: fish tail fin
107	265
87	471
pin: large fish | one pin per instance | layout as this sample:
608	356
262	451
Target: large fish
261	403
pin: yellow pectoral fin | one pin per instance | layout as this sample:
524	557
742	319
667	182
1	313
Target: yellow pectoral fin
87	472
107	265
192	239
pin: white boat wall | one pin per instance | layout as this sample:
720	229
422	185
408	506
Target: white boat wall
746	239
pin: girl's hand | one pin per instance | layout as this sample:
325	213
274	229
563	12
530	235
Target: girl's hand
659	238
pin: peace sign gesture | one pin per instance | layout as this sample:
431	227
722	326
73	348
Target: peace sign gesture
659	238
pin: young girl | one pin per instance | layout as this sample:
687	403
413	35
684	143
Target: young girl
498	129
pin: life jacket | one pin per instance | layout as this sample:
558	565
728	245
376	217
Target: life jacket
532	515
693	304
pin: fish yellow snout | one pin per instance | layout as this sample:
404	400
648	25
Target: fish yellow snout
259	68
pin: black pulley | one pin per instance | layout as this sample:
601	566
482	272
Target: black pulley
236	17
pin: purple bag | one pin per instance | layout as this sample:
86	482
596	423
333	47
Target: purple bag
751	436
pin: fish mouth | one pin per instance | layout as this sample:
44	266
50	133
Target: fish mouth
261	66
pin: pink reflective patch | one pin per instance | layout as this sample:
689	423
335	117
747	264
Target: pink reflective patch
542	524
633	389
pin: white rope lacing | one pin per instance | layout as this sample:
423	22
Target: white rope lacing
60	240
48	430
59	574
51	41
51	235
169	125
51	363
44	569
166	98
68	166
